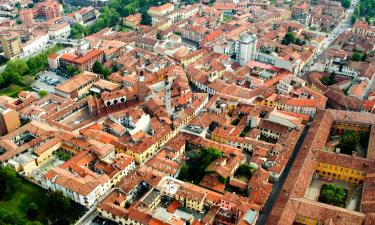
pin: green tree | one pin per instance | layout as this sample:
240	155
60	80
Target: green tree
99	68
2	187
290	37
115	67
10	218
32	211
356	56
353	19
78	31
364	139
194	167
72	70
18	6
245	170
333	195
34	223
346	3
58	201
9	175
43	93
349	142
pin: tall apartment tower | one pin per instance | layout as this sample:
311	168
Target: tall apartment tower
11	43
9	121
246	48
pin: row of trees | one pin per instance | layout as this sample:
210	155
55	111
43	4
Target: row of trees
111	14
16	71
364	9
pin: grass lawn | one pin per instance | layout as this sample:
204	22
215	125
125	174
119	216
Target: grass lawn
19	199
12	90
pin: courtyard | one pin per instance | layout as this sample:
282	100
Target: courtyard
353	195
76	117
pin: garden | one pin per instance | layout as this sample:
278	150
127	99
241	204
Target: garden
333	195
352	141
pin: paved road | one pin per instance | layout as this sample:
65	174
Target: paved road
277	187
344	25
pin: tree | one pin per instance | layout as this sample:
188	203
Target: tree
194	167
115	67
72	70
18	6
346	3
32	211
78	31
291	37
58	201
99	68
9	177
34	223
349	142
17	66
333	195
43	93
2	187
356	56
364	138
245	170
10	218
353	19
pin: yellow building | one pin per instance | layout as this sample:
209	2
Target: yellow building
308	221
193	57
11	43
274	104
341	127
348	175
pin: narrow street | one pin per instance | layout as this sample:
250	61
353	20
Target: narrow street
343	26
277	187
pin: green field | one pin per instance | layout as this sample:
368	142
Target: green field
18	200
12	90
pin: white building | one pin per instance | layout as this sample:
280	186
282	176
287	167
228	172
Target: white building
284	119
246	48
275	60
35	45
87	188
58	31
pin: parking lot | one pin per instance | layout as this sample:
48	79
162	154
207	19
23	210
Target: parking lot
47	81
